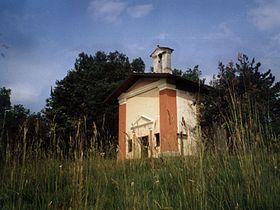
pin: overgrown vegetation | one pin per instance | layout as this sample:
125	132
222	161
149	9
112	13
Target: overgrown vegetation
62	160
249	181
75	121
244	103
77	101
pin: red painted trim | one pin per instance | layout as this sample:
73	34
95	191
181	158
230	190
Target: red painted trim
168	120
122	132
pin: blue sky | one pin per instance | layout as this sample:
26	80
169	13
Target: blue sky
45	37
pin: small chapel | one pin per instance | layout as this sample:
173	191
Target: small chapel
158	111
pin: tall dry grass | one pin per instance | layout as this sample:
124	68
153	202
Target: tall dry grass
202	182
249	178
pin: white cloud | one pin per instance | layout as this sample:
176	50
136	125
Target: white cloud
111	10
266	15
23	93
222	32
139	10
29	80
108	10
32	74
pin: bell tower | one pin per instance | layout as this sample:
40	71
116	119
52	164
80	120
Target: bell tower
162	59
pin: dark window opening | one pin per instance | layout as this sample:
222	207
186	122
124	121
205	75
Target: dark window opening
157	139
145	146
129	144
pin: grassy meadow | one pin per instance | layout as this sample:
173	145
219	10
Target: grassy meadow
212	181
246	177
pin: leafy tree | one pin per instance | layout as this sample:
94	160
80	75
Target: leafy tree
193	74
138	65
5	105
78	98
245	96
11	120
5	101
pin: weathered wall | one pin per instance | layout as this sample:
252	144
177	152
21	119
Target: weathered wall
155	106
187	122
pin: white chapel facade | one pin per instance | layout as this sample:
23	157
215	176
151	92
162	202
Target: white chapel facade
158	113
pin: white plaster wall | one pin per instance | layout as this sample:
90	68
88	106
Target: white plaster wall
187	110
166	63
143	104
157	65
147	104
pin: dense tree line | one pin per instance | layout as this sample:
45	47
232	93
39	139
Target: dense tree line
76	121
245	102
19	128
76	105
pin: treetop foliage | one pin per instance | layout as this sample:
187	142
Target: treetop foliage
138	65
245	79
81	93
85	87
193	74
242	93
5	102
76	119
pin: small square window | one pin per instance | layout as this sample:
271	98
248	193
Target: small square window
157	139
129	145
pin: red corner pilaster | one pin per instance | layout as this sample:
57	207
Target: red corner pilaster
168	120
122	131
